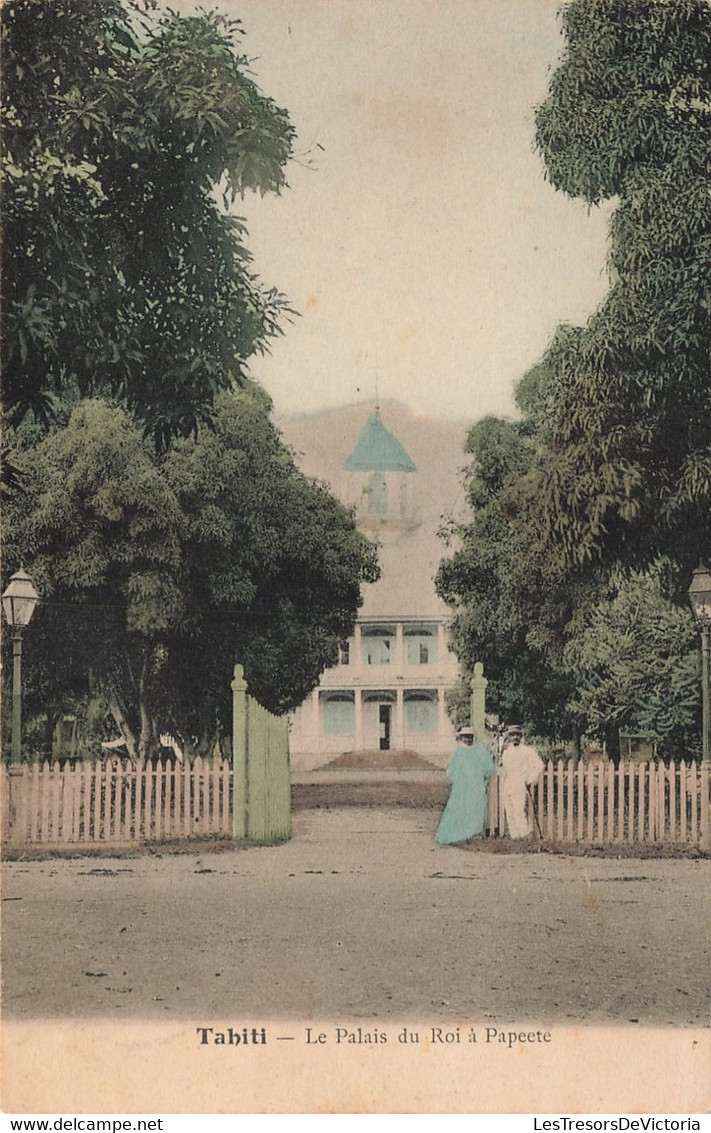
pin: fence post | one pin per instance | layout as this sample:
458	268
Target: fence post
705	785
239	754
478	702
16	800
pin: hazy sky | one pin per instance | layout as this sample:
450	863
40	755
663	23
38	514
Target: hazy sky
421	244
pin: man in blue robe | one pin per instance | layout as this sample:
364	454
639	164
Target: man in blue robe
469	771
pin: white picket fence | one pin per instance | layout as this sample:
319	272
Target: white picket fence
599	803
113	802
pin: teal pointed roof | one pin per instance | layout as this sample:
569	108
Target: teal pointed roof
377	450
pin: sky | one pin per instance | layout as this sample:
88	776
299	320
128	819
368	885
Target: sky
428	258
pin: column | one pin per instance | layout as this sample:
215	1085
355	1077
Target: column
358	716
399	658
357	658
399	729
316	720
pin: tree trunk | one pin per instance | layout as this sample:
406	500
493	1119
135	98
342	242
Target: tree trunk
122	723
147	730
576	747
48	750
612	743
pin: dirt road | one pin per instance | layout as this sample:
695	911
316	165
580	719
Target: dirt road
360	916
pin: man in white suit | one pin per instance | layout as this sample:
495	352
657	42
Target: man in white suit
521	766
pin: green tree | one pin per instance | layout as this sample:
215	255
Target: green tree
164	522
122	275
616	423
159	571
527	681
625	469
636	666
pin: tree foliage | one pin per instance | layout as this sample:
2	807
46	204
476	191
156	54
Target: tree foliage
616	417
626	470
489	624
159	571
161	517
122	276
635	663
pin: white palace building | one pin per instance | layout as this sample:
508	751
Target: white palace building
387	693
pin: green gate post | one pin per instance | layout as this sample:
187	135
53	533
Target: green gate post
705	831
478	702
239	754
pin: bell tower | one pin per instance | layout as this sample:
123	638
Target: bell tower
383	468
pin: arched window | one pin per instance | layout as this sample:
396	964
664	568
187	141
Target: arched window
338	713
421	644
378	644
421	711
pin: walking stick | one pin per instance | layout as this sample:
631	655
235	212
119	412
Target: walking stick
535	811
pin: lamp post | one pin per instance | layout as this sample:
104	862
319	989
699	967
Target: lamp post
700	599
18	603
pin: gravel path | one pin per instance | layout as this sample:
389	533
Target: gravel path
359	916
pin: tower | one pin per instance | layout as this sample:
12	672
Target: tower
386	696
382	467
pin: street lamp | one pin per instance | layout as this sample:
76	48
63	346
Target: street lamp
700	598
18	603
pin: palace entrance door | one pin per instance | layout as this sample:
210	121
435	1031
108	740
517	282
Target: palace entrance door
385	720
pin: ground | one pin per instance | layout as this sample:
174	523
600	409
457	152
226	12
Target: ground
359	916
